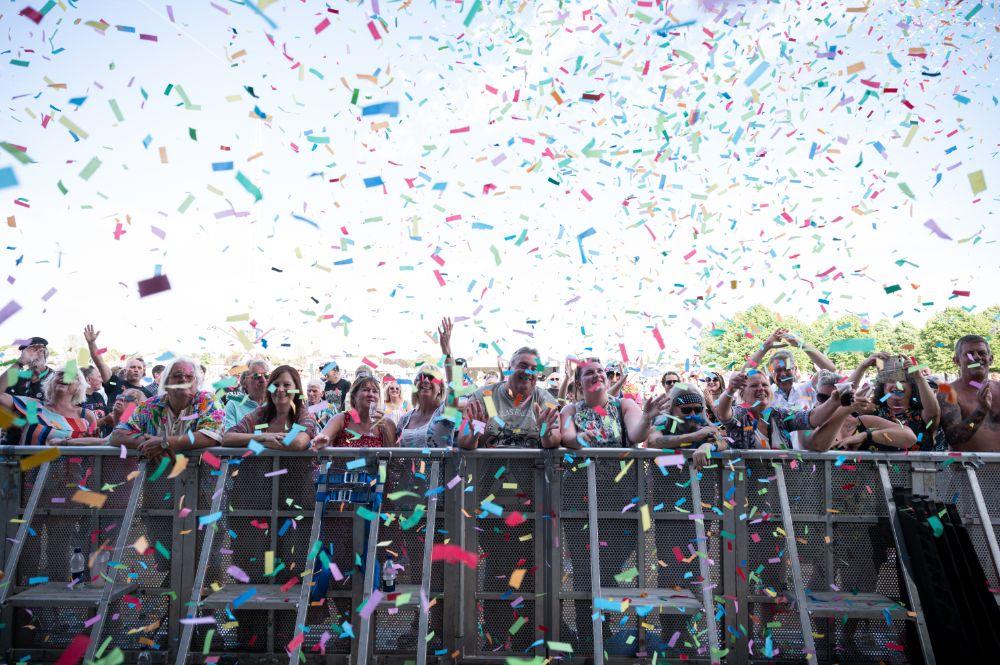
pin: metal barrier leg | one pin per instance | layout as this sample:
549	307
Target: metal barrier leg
706	591
595	561
10	567
199	579
305	585
425	579
123	530
371	569
793	555
904	561
984	517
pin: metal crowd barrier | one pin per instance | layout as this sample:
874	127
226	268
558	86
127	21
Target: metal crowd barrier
608	554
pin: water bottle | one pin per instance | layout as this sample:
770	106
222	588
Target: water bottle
98	567
145	658
77	566
389	575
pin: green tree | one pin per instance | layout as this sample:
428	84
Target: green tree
937	338
729	345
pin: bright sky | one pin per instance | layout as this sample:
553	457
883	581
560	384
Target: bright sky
740	146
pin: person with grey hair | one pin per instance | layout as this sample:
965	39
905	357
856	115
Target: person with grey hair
254	394
318	407
181	417
58	418
854	425
515	412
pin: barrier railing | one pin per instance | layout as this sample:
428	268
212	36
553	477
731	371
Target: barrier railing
609	554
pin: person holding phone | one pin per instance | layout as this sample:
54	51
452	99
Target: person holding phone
854	426
363	426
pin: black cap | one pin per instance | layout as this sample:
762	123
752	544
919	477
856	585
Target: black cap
33	341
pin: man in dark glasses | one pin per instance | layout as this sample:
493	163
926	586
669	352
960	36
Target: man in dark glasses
253	385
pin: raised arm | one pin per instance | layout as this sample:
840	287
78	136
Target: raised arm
931	410
564	386
753	362
90	335
724	408
819	360
638	421
444	339
871	361
330	432
823	412
616	388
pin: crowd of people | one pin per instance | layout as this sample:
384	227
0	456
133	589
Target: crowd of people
887	403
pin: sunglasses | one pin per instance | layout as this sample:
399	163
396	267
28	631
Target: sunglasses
669	382
711	379
821	397
129	399
691	410
258	376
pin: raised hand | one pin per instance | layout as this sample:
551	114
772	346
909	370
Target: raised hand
653	406
90	334
772	341
737	383
444	335
985	397
475	411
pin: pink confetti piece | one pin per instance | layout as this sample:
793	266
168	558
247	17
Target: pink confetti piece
153	285
933	226
199	621
670	460
9	310
91	621
372	29
454	481
75	651
322	25
279	472
335	571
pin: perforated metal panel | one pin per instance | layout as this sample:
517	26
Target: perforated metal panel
496	619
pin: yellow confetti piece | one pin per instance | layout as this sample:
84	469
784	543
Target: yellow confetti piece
977	181
179	466
88	498
644	515
38	459
268	563
73	127
517	577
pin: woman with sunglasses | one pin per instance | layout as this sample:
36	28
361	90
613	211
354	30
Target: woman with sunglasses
426	426
685	425
58	419
714	386
854	425
283	422
395	405
904	396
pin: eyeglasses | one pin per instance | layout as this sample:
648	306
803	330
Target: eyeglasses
129	399
711	379
258	375
691	410
822	397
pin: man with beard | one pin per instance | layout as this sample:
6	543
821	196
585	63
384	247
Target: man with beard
685	425
517	413
969	404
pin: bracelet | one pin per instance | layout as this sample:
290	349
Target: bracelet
868	437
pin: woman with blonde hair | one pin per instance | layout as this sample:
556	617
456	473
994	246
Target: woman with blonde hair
58	418
363	426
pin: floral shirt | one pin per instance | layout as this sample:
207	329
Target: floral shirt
743	432
154	418
914	420
601	422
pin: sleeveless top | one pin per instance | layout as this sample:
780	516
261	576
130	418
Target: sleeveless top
345	439
603	423
46	427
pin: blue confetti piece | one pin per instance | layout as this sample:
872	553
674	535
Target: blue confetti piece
356	464
7	178
244	597
757	73
390	109
222	166
374	182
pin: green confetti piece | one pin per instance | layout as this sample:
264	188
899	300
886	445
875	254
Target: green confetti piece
936	526
364	513
893	288
20	63
113	103
249	186
164	463
516	626
354	96
476	6
208	641
395	496
186	204
61	186
565	647
104	645
627	575
22	156
906	190
975	10
193	133
413	519
164	552
90	168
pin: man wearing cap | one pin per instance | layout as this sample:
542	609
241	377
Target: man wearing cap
24	379
335	388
